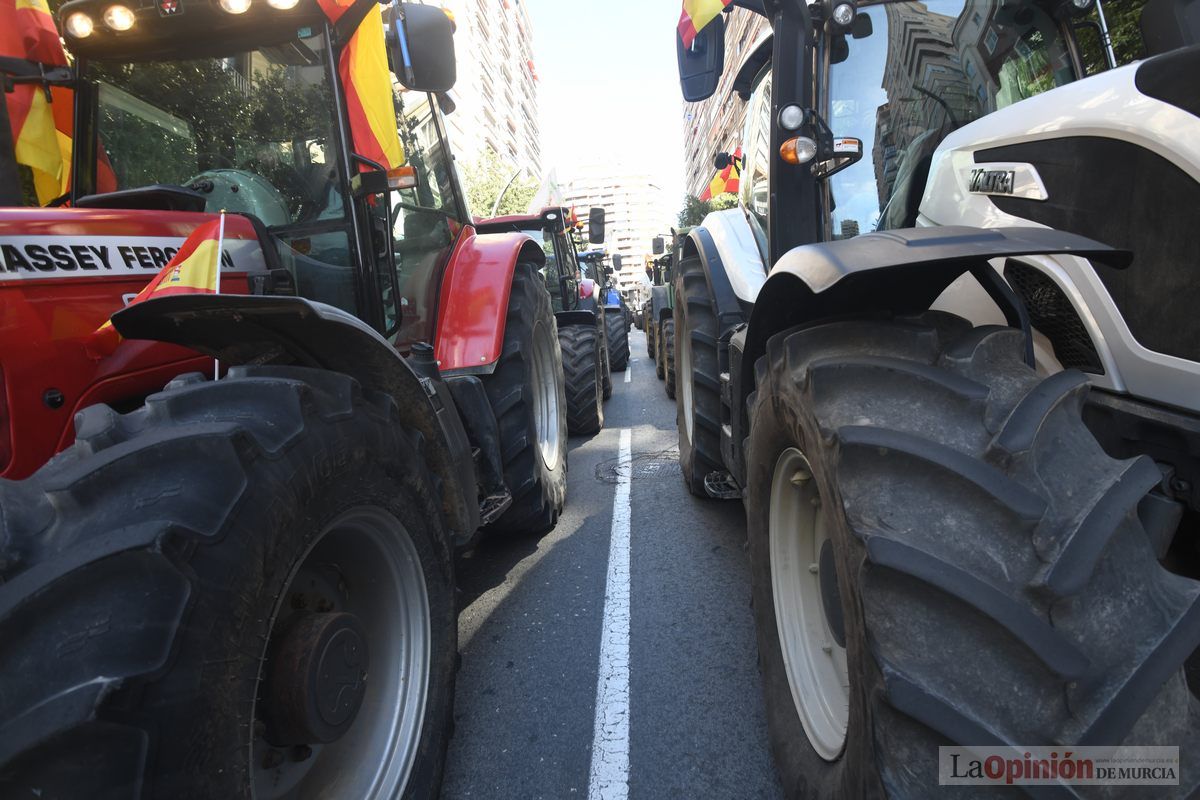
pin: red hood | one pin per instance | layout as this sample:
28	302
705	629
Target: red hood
63	271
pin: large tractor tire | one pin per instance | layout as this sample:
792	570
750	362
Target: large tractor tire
527	396
942	554
602	333
650	328
582	359
699	400
656	333
241	586
618	339
668	349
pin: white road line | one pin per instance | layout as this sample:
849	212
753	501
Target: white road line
629	373
609	778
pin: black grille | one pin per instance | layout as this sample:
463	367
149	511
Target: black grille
1051	313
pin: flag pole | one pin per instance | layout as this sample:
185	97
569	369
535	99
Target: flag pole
217	282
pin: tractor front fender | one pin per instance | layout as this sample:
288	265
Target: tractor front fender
660	304
240	329
565	318
899	272
474	300
734	274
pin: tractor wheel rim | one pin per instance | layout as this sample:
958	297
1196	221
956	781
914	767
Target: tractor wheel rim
363	563
684	383
545	395
814	662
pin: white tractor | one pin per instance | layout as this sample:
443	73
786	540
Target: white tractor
947	353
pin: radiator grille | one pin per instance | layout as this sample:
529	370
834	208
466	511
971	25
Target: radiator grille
1051	313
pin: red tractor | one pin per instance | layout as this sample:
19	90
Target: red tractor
245	586
581	329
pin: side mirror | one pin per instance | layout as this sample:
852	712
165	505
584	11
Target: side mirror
616	261
660	246
596	226
700	65
421	48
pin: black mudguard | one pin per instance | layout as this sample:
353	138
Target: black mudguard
240	329
585	317
899	272
659	303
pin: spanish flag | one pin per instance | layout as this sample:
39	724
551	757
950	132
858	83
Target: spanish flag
195	269
363	67
726	180
27	32
696	14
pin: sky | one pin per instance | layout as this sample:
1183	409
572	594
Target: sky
608	88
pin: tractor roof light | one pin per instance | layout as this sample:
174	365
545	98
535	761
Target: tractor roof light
236	6
119	18
843	14
79	25
798	150
282	5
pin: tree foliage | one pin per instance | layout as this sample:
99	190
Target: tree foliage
485	179
695	210
1124	28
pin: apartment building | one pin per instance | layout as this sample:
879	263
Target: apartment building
496	92
715	124
636	210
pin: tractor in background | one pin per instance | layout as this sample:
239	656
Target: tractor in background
660	308
245	586
581	329
963	428
603	294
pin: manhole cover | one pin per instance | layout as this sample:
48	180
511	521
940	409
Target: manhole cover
662	462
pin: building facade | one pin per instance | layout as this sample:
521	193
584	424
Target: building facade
715	125
636	210
496	92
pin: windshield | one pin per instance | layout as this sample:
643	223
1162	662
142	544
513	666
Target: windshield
252	131
923	70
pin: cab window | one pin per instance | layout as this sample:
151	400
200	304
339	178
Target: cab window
756	147
424	224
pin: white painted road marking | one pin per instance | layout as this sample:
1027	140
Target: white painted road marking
609	779
629	373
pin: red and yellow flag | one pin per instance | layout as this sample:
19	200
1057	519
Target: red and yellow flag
27	32
363	67
696	14
195	269
726	180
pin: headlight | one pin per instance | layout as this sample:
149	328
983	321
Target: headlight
235	6
282	5
79	25
119	18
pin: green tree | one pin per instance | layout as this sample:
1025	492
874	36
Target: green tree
695	210
1124	28
485	179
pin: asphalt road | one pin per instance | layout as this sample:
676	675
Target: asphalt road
533	617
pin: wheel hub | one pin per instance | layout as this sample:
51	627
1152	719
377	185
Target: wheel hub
808	615
316	679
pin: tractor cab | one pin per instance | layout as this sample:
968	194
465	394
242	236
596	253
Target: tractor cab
272	110
846	150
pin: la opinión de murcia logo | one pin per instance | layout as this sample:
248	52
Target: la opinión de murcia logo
1046	766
